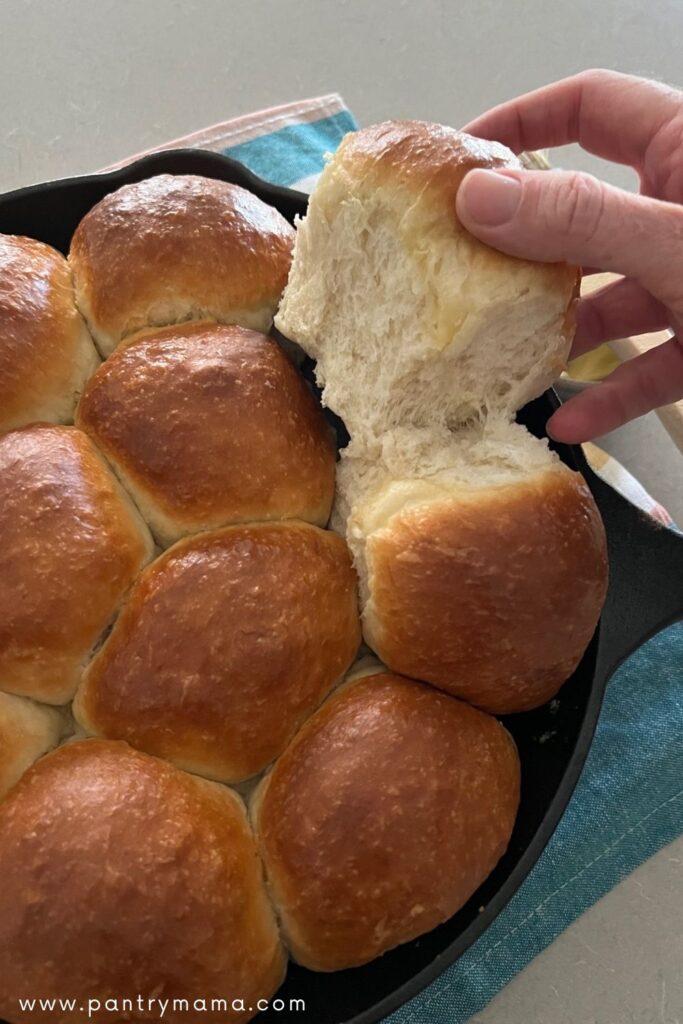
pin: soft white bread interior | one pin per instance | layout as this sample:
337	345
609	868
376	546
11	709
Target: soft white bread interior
481	558
413	466
410	318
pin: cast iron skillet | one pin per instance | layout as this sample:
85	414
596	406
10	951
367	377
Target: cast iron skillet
645	594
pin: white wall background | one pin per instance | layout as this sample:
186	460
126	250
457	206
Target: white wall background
85	82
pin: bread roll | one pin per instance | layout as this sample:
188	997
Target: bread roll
208	425
27	731
72	543
482	561
410	318
173	248
46	353
227	643
123	877
384	815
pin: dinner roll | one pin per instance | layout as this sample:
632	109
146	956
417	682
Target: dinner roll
27	731
384	815
227	643
482	561
174	248
208	425
46	353
124	877
72	542
410	318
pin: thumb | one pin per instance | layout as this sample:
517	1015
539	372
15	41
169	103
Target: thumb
567	216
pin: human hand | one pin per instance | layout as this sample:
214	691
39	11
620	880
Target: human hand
570	216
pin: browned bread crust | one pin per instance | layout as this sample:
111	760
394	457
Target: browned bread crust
72	543
208	425
139	880
178	247
383	816
227	643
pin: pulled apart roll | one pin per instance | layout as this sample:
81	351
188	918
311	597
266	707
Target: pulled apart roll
481	557
411	318
46	353
72	543
175	248
228	641
384	815
143	881
27	731
482	562
208	425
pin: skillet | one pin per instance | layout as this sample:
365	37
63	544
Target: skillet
645	595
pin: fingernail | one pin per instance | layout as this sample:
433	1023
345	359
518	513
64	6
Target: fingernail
489	198
550	430
556	428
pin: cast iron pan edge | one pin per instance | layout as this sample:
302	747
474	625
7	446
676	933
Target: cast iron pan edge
645	594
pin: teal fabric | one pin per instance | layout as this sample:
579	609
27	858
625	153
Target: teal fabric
294	152
627	805
629	800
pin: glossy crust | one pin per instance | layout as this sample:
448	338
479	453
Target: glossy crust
431	160
383	816
208	425
419	154
226	644
27	731
46	353
493	596
140	880
72	543
174	248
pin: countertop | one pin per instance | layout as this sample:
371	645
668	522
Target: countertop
87	83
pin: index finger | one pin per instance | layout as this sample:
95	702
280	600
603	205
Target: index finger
612	115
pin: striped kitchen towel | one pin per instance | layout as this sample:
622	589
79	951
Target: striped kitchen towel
284	144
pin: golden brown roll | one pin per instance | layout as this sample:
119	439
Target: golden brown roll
208	425
384	815
175	248
27	731
482	561
124	877
227	643
46	353
72	543
410	318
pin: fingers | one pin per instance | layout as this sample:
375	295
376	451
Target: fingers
612	115
555	216
638	386
620	309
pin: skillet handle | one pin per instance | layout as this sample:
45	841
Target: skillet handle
646	576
